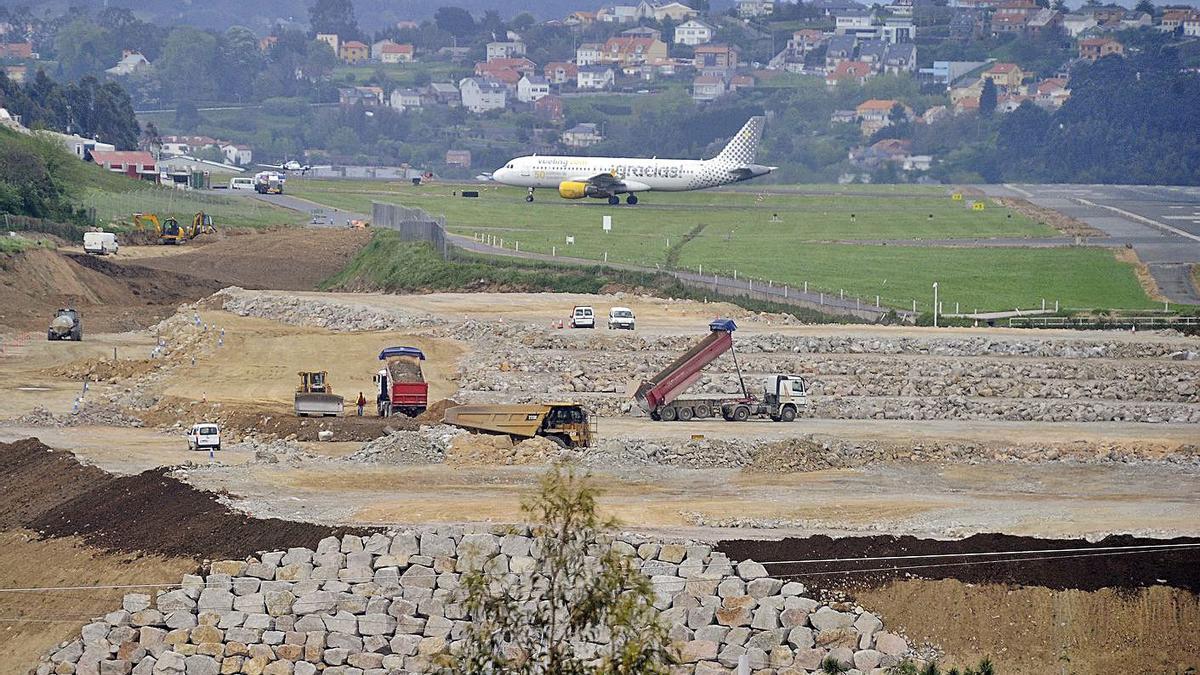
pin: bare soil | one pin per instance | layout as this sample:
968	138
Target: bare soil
1068	226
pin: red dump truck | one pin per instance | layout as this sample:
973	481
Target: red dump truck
780	399
401	384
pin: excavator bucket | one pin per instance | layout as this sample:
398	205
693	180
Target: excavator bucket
315	397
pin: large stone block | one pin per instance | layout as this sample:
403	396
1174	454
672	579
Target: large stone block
405	645
418	576
829	619
312	603
749	570
867	660
698	650
376	624
135	602
215	600
435	545
891	644
800	637
763	587
202	665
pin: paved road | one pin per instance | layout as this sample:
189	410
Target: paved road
339	218
1162	223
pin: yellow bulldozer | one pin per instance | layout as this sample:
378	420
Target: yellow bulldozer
315	397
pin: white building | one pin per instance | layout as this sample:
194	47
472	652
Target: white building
481	95
854	22
505	50
1075	24
693	32
532	87
748	9
129	64
236	154
403	99
1191	25
674	11
582	135
589	53
595	77
618	14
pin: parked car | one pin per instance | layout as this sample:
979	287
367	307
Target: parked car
241	183
203	436
100	243
583	317
621	317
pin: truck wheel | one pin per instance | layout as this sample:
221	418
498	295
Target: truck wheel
685	414
788	414
741	413
667	414
559	441
50	335
702	411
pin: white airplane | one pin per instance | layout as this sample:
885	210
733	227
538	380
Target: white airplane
292	166
608	177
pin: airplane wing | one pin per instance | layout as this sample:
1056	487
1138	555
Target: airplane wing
271	166
609	182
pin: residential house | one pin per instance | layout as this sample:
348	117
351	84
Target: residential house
618	14
265	44
1006	76
582	135
1044	22
1191	25
749	9
1133	20
330	39
878	112
391	52
900	59
1094	49
948	72
934	114
458	158
807	39
353	52
840	48
237	154
505	50
1173	18
967	25
549	108
1013	15
588	54
872	51
79	146
642	32
741	82
16	50
407	24
16	73
886	151
444	93
896	30
967	91
186	145
579	19
835	7
367	96
481	94
532	87
520	64
631	51
855	22
843	117
132	163
708	88
403	99
1052	92
854	72
1010	102
131	62
693	32
560	72
1074	24
594	77
674	11
715	59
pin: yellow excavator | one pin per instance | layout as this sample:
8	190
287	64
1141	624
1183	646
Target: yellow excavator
168	231
202	223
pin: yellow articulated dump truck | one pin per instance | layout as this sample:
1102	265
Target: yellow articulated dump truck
564	423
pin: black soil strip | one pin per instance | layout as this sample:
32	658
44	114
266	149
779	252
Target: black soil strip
51	492
1081	570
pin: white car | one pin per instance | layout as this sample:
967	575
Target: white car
203	436
583	317
241	183
621	317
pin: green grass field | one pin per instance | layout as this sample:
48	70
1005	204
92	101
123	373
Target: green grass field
790	235
119	205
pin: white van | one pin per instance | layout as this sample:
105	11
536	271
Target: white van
583	317
99	243
620	317
203	436
241	183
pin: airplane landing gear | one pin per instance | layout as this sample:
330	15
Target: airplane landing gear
631	200
529	197
613	200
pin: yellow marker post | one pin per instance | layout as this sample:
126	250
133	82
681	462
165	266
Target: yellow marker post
957	196
977	206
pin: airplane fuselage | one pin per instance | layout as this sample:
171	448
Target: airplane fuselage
664	175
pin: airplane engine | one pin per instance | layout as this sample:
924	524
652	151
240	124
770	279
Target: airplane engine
571	189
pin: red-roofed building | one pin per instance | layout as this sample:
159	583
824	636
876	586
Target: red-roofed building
560	72
390	52
1094	49
1006	76
16	50
1052	92
266	43
549	107
852	72
132	163
520	65
633	51
354	52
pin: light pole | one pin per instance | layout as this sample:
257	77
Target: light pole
935	305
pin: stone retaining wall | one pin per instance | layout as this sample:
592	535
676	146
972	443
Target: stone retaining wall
389	604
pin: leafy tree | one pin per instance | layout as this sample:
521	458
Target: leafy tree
987	98
151	137
522	22
84	48
580	588
188	65
187	117
333	16
455	21
1145	6
239	61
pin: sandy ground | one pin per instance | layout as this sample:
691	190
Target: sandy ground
32	623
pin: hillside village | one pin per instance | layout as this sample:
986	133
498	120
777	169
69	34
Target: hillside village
520	84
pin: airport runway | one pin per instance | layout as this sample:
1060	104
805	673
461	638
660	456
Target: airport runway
1161	222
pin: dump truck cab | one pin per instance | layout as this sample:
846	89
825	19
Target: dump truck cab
567	424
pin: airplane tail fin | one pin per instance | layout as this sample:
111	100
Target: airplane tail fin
742	148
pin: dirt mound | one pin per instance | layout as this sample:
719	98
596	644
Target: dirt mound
495	450
436	411
287	259
268	422
105	370
52	493
1077	570
35	282
405	370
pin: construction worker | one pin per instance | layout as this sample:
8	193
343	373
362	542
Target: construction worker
362	402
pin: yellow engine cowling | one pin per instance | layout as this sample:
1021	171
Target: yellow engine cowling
572	189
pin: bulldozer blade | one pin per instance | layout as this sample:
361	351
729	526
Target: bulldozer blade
319	405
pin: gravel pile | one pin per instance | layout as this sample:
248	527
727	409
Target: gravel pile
425	446
304	311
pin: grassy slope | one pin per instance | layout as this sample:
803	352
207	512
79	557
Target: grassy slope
738	233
